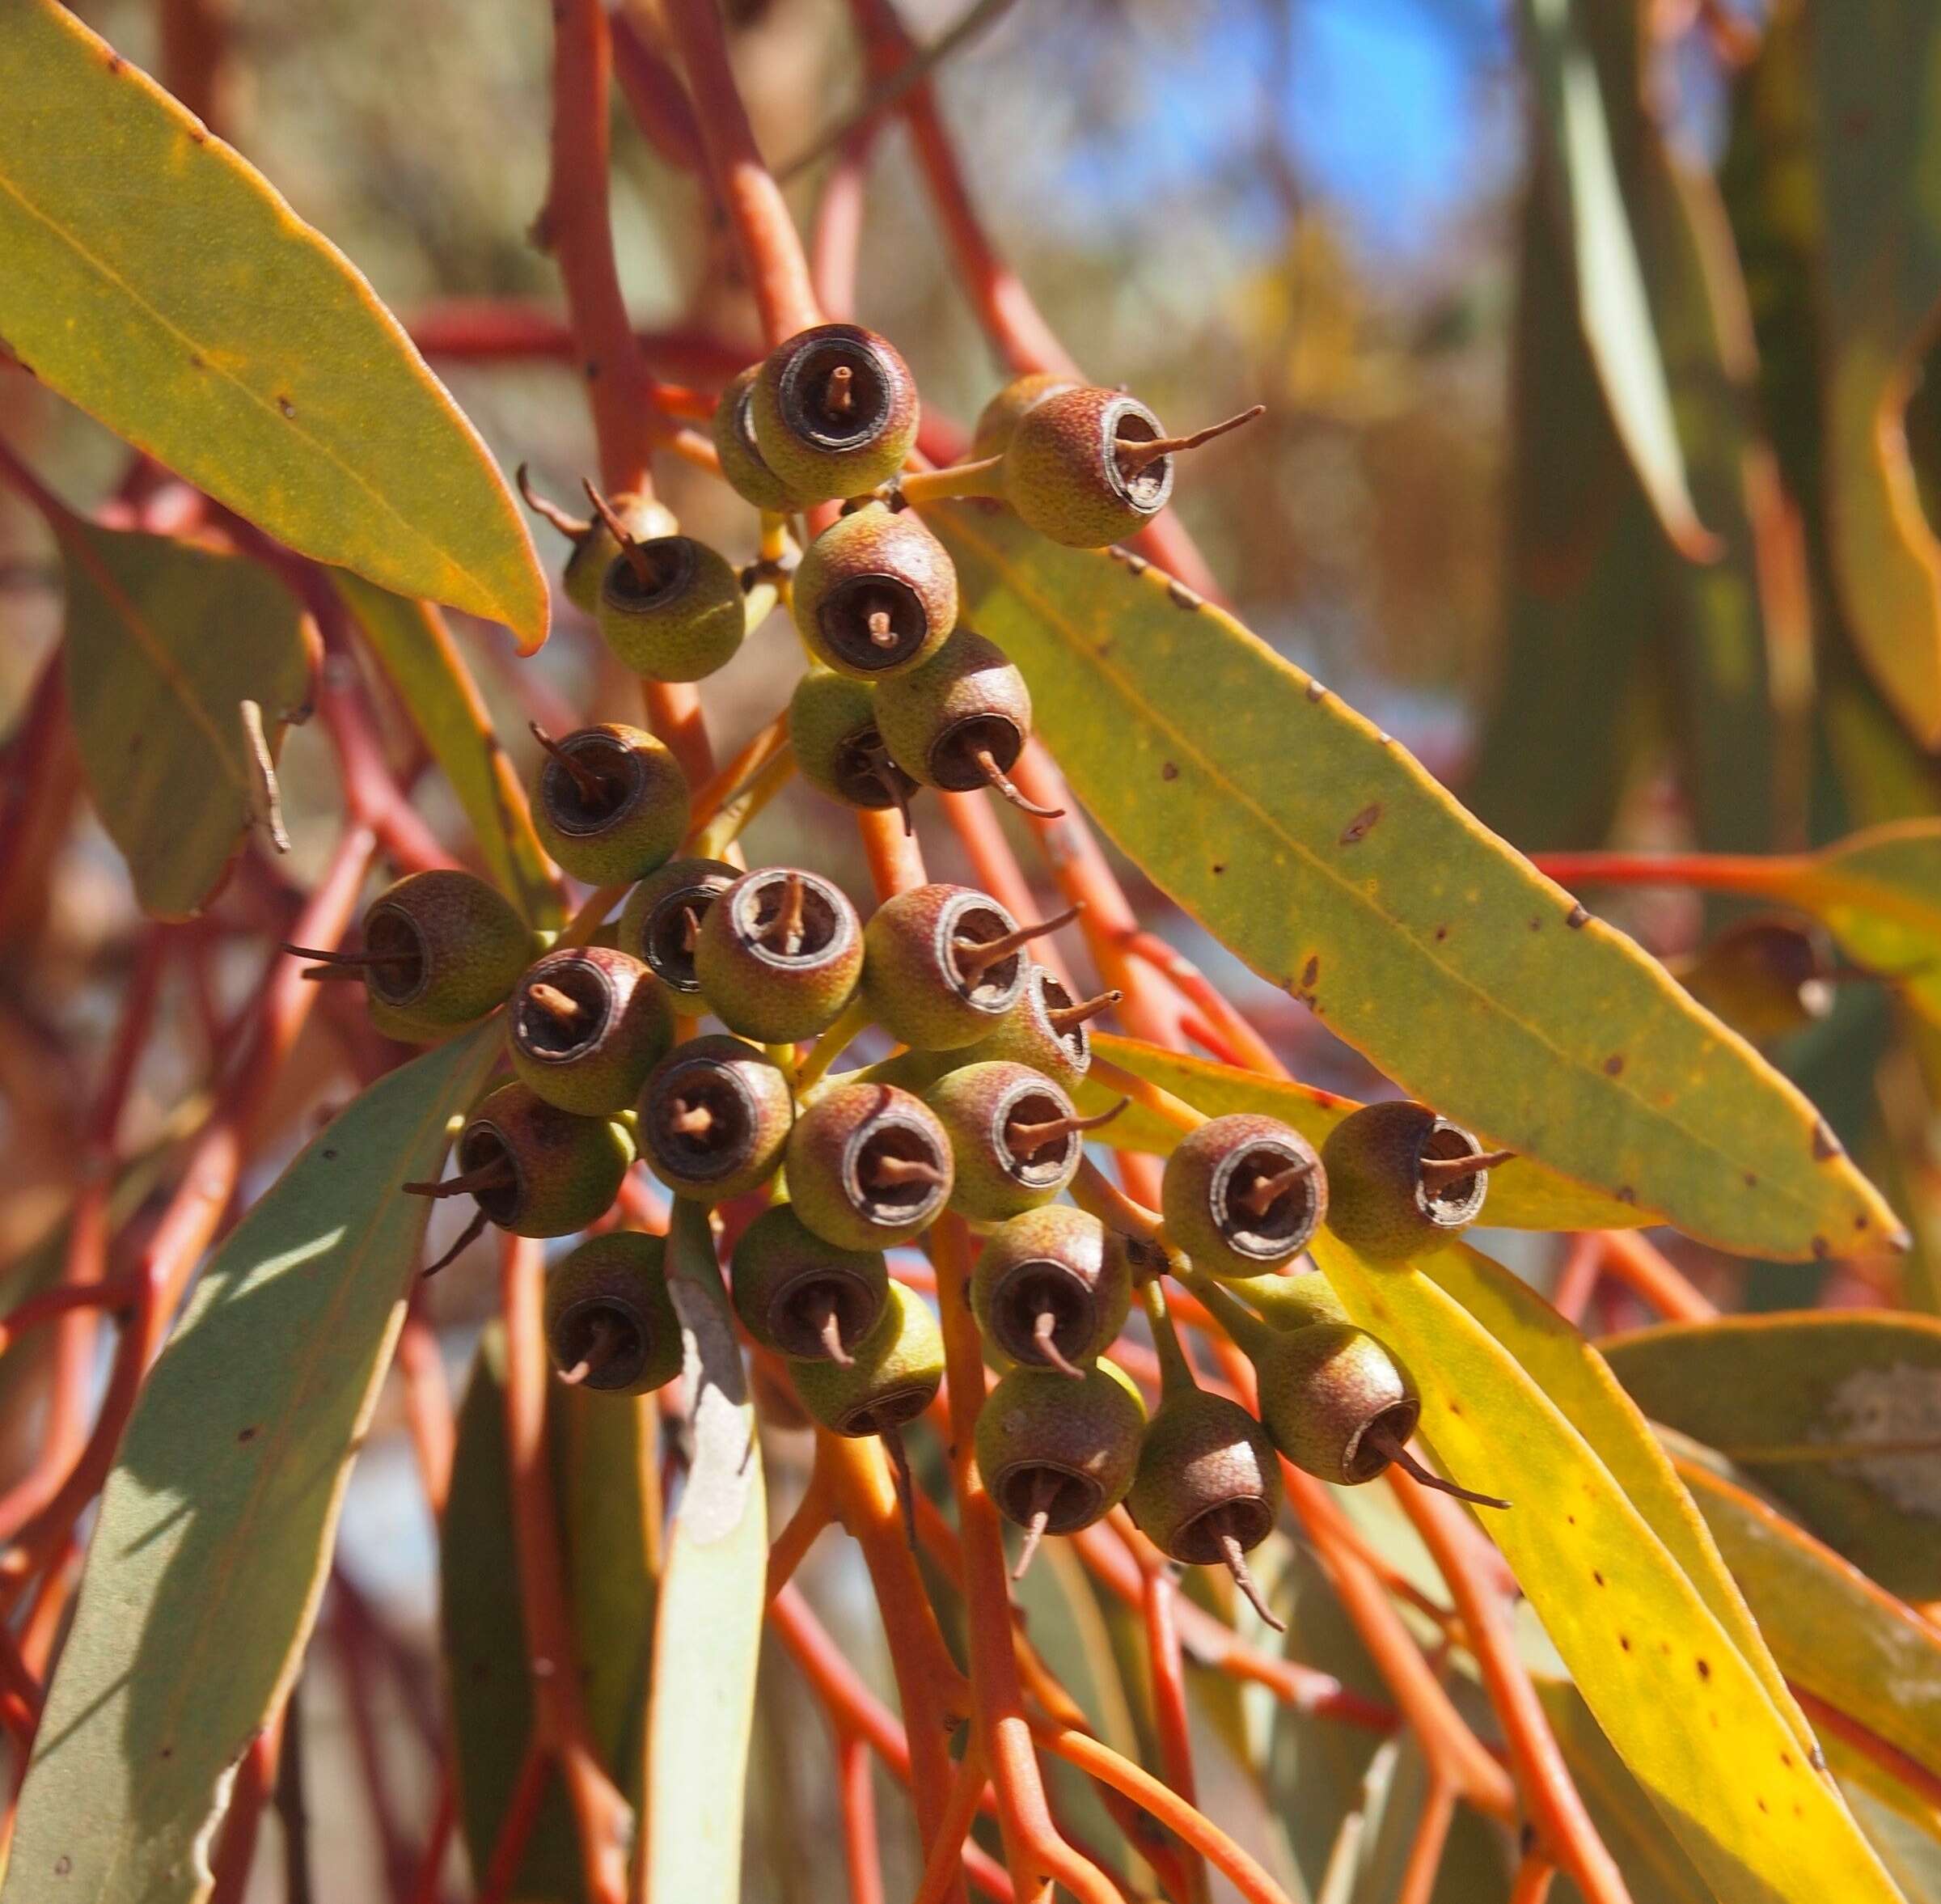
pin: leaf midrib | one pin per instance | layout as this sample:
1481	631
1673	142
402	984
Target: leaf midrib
1017	579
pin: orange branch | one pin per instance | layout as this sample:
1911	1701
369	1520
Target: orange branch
1645	1270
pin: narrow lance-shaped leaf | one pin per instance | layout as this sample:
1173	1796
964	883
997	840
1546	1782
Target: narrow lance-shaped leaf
1581	1386
1837	1413
1665	1680
1875	76
163	285
1837	1634
708	1630
181	663
1325	857
1575	158
215	1528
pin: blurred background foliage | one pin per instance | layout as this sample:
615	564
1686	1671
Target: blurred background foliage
1340	209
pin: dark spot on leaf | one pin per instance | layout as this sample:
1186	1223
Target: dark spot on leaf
1860	1221
1169	770
1363	823
1624	1639
287	406
1317	691
168	1752
1825	1144
1762	1803
63	1864
1785	1759
1442	931
1572	1519
1705	1668
1751	1179
195	362
1822	1249
1455	1406
1220	865
329	1156
1576	917
1536	925
1613	1064
1597	1576
1310	972
115	63
1625	1194
1182	597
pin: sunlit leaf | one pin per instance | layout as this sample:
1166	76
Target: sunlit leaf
1579	1383
1834	1632
1577	162
1328	860
161	283
216	1525
415	647
1523	1195
1795	1400
165	642
707	1635
1874	78
1666	1681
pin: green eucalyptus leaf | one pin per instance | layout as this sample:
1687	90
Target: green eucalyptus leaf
1318	851
214	1533
162	284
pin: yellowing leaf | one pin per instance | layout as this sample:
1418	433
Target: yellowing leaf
215	1529
1879	893
1316	849
164	643
1580	1385
1523	1195
1795	1400
161	283
1874	74
1665	1680
708	1634
1835	1633
422	663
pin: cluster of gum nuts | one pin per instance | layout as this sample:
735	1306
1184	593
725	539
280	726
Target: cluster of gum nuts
975	1113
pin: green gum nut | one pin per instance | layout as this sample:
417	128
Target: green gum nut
1063	471
875	595
535	1170
801	1296
1065	1450
443	949
671	609
834	412
838	748
869	1166
961	719
610	1322
609	803
779	955
715	1116
893	1374
584	1027
1242	1194
1052	1287
1047	1028
998	419
660	924
742	465
1392	1193
1208	1475
943	966
1016	1137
